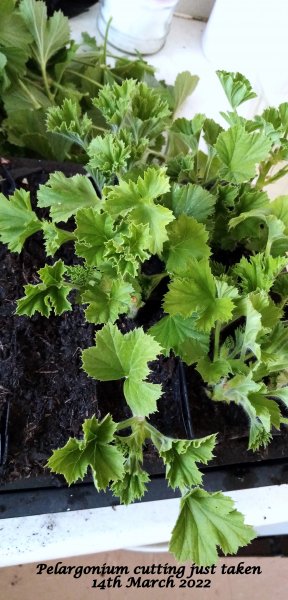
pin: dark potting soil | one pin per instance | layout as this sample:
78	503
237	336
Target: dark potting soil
40	359
50	395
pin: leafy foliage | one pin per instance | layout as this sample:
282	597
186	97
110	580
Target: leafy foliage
116	357
50	294
95	450
205	522
42	67
17	220
174	212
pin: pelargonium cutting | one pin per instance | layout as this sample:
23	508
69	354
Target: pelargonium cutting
194	195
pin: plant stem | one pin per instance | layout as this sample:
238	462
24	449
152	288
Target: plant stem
264	170
277	176
106	41
46	83
129	422
217	340
99	85
158	154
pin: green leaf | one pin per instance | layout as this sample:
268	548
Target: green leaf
67	121
128	248
54	237
13	32
212	372
187	239
240	152
180	457
108	154
258	436
92	232
184	135
198	294
118	356
95	450
107	300
132	486
173	332
12	65
236	389
206	521
184	85
277	241
259	272
137	200
281	393
181	168
26	127
134	106
121	199
251	331
266	410
270	313
193	201
241	389
65	195
50	294
49	35
274	351
236	87
17	220
211	130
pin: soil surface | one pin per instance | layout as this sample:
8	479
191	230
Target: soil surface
48	393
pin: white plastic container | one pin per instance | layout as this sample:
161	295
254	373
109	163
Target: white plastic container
137	25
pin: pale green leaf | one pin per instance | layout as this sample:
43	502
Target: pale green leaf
95	450
54	237
128	248
206	521
186	239
266	409
236	87
258	272
65	195
180	335
251	331
184	85
93	231
132	486
50	294
212	372
240	152
17	220
108	154
274	351
107	300
236	389
180	457
281	393
118	356
49	35
198	294
270	313
137	200
192	200
121	199
67	121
